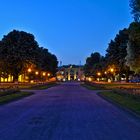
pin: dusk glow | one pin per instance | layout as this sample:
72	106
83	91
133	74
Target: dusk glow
71	29
70	70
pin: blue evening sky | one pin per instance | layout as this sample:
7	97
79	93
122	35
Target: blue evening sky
71	29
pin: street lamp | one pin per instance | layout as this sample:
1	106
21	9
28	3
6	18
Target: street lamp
36	73
48	76
29	70
44	73
99	74
112	70
89	79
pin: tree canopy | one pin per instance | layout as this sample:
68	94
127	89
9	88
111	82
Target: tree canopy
135	5
19	50
115	57
93	64
116	52
133	49
123	52
47	61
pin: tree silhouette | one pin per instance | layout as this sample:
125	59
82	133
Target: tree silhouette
17	50
135	5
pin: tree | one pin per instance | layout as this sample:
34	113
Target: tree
18	49
116	53
94	63
135	5
133	47
54	64
47	61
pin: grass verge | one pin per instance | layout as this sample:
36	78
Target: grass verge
14	96
41	86
92	86
126	101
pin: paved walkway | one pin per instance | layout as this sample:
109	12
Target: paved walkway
66	112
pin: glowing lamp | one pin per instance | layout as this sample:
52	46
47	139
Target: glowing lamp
112	70
99	74
44	74
29	70
36	72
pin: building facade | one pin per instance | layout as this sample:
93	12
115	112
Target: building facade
70	73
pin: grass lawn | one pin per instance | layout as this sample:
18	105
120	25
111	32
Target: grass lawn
130	102
13	96
90	87
93	86
121	85
32	86
103	86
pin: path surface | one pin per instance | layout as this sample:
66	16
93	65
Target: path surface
66	112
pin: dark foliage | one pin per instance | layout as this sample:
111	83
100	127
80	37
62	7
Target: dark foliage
19	50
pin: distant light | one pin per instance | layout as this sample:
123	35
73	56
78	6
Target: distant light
112	70
29	70
32	81
36	72
99	74
44	73
105	72
89	79
49	74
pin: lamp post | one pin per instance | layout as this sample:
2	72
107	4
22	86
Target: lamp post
29	71
48	76
112	73
106	76
43	76
98	74
36	75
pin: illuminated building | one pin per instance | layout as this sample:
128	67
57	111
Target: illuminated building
70	72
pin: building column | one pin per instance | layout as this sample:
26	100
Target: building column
75	76
69	78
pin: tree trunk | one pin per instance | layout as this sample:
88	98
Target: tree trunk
15	78
120	75
127	77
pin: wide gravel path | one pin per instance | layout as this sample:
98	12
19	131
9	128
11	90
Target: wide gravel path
66	112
